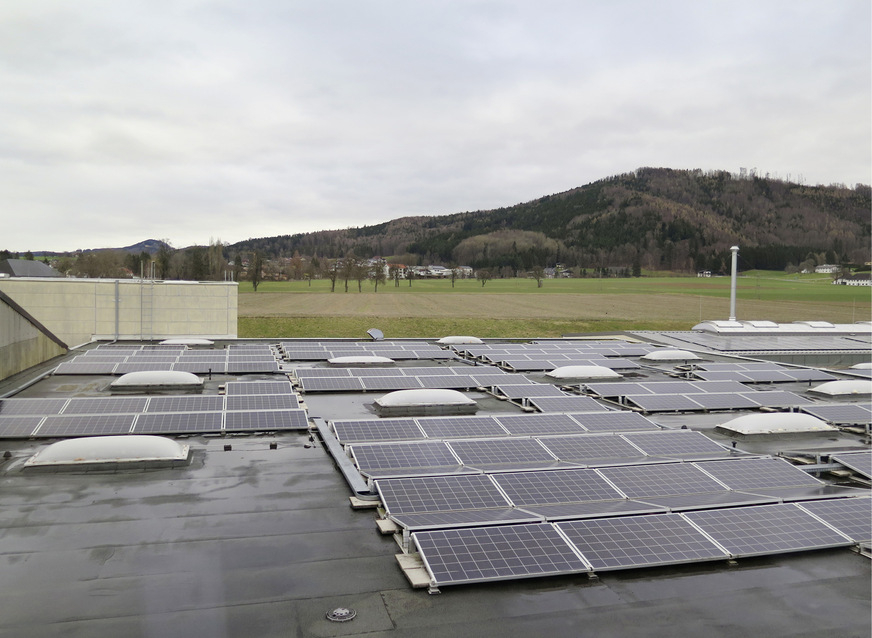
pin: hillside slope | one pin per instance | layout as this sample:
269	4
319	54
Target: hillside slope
654	217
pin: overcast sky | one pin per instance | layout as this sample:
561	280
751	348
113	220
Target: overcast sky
191	120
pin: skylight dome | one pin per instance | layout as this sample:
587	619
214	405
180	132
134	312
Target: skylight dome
152	451
776	423
862	366
457	340
424	401
670	355
362	360
844	387
157	380
583	372
187	341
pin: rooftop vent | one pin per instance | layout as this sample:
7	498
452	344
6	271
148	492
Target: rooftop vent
844	387
151	380
424	402
670	355
458	340
187	341
360	360
111	452
776	423
583	372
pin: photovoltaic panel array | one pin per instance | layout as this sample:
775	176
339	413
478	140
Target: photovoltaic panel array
115	361
403	378
178	423
565	404
34	407
322	351
851	516
860	462
766	529
714	401
640	541
496	553
840	413
531	424
439	494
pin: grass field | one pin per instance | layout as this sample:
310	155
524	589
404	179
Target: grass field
516	308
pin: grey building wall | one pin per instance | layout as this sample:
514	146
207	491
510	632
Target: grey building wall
23	342
81	310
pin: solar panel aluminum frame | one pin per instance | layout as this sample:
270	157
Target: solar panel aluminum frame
458	519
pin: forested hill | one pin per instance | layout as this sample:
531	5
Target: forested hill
654	217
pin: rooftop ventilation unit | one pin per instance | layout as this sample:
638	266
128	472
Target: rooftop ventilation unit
156	380
856	387
670	355
458	340
583	372
424	402
111	452
776	423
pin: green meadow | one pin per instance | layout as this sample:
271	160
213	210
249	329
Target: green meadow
517	308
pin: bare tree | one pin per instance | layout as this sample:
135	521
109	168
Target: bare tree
254	270
377	272
483	276
333	270
538	273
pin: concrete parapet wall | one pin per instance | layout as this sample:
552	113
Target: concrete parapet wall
80	310
22	344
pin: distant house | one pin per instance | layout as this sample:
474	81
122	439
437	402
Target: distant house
827	269
26	268
861	279
704	273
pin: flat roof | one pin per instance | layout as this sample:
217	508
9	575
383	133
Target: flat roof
257	537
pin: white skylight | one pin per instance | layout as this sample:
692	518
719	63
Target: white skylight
110	449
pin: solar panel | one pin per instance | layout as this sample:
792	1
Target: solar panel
377	430
18	427
113	405
74	367
860	462
724	401
394	456
616	389
92	425
185	404
448	382
460	426
490	378
555	486
841	413
640	541
439	493
709	500
321	372
615	421
330	384
252	366
742	474
766	529
851	516
501	451
777	399
593	509
464	518
566	404
36	407
538	423
201	367
390	383
256	402
257	387
495	553
663	402
642	481
590	448
527	390
271	421
178	423
675	443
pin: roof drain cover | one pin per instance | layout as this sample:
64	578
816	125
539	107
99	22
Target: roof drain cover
341	614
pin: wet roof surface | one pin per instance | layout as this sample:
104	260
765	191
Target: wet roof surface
258	541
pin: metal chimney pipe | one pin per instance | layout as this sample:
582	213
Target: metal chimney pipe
735	251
